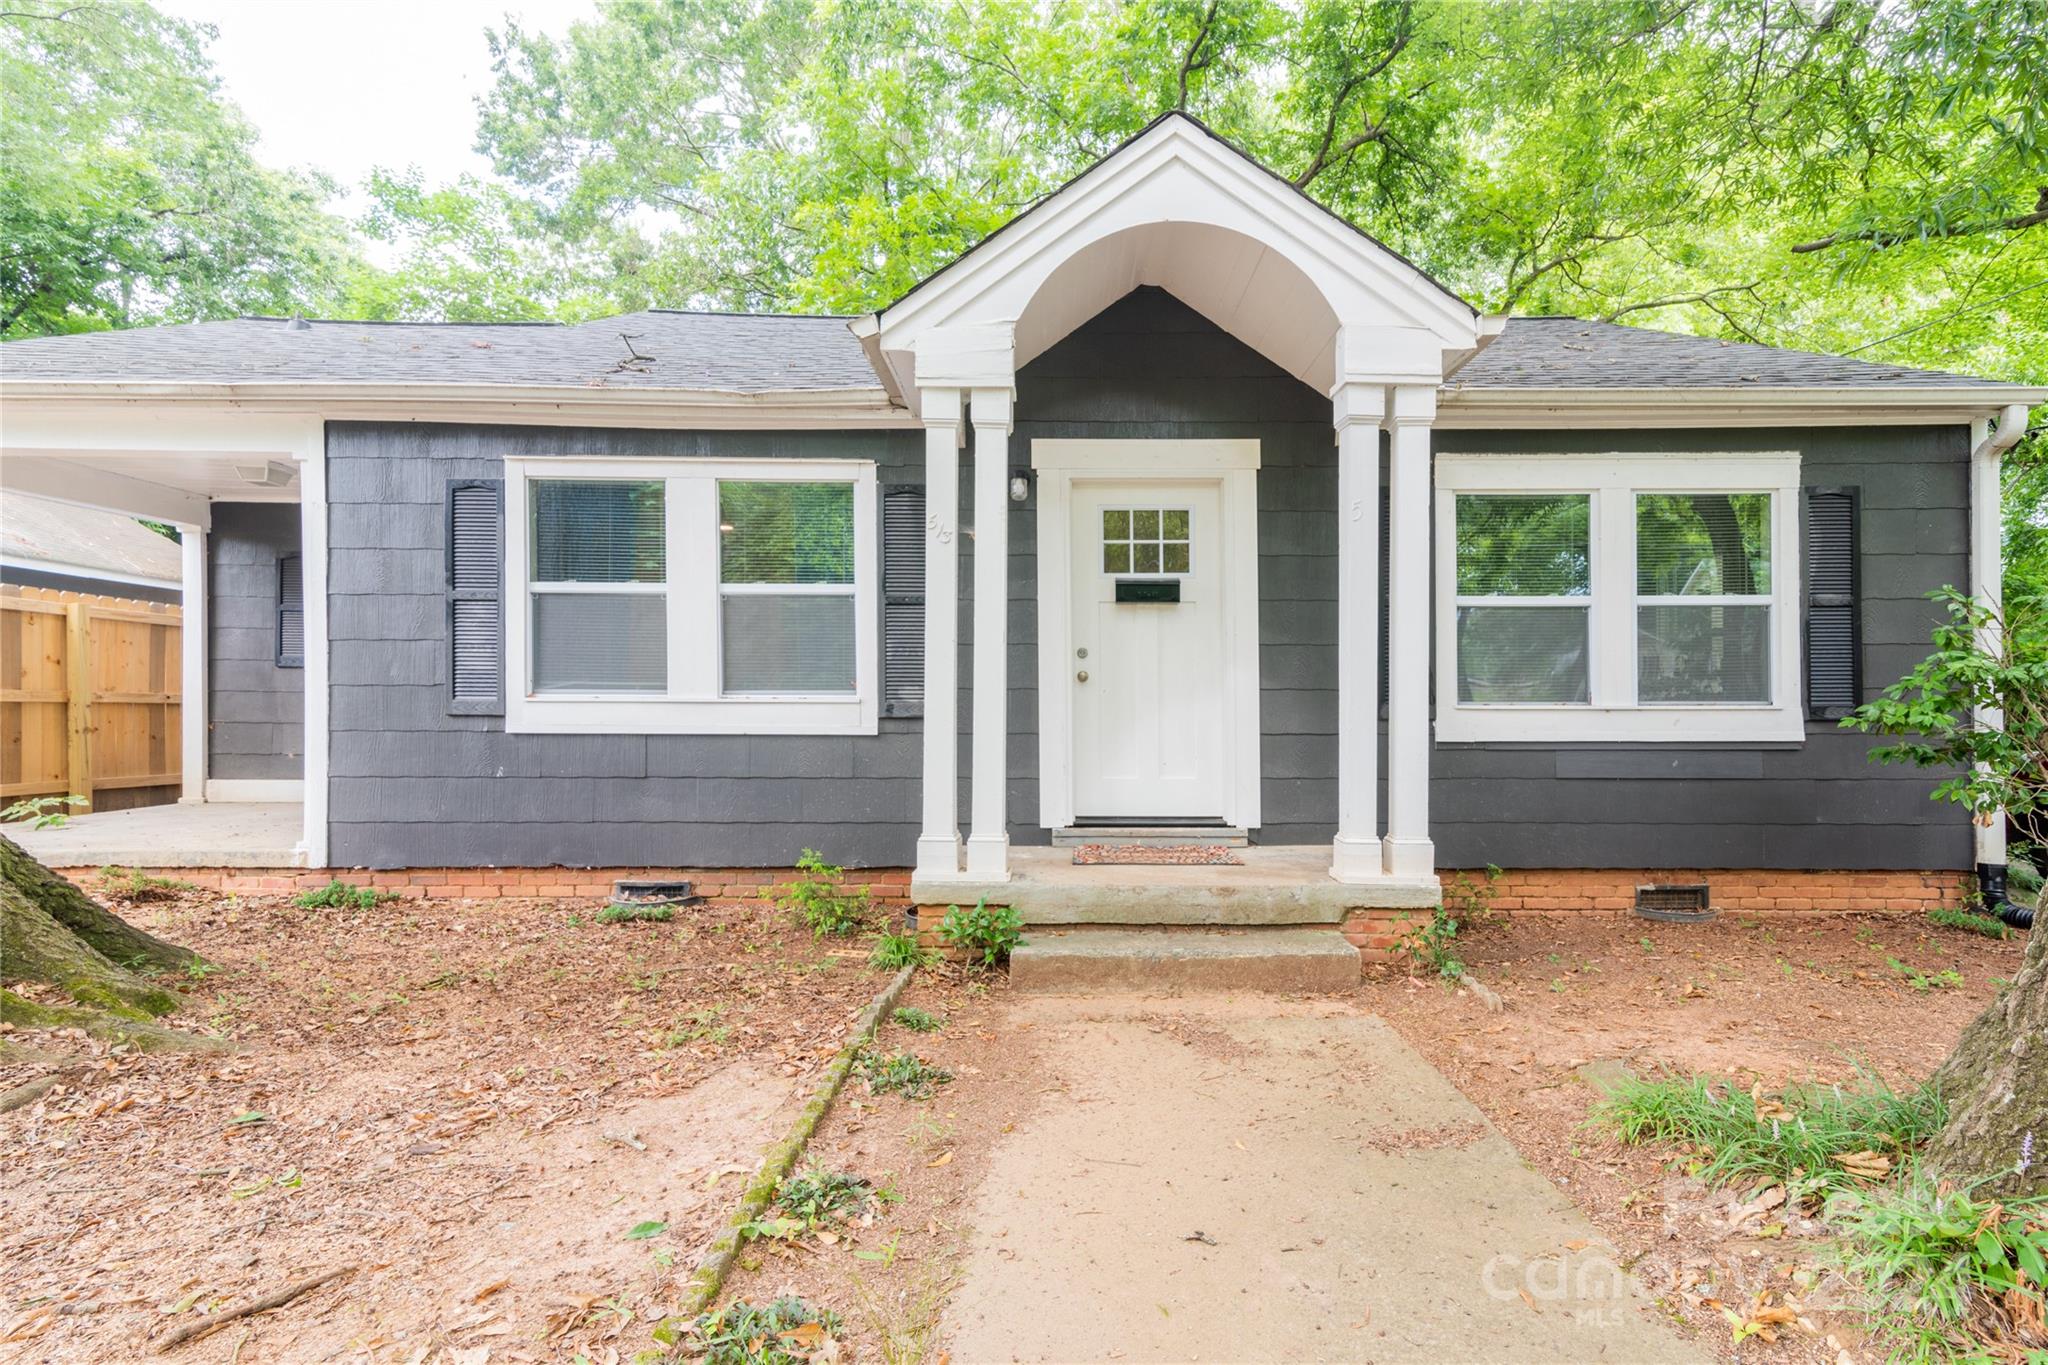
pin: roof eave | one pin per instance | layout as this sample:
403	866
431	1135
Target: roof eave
1746	406
594	403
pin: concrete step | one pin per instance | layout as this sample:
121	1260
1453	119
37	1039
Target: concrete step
1094	961
1151	836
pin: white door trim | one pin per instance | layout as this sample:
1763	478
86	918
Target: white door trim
1234	465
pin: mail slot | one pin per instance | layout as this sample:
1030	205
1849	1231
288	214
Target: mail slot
1148	590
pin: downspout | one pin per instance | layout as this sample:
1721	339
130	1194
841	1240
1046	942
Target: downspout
1987	586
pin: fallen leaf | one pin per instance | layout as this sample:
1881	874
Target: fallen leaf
640	1232
1866	1164
940	1160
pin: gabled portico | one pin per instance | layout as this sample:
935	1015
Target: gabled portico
1179	209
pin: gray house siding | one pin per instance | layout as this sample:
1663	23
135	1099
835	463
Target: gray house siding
1821	804
412	784
256	722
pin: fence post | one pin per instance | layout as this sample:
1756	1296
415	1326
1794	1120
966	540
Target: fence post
78	704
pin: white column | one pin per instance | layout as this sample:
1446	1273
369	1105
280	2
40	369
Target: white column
312	460
1357	854
938	842
192	707
988	846
1987	572
1409	851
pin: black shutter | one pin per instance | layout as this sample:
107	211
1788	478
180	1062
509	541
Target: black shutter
291	613
1386	592
903	534
476	586
1834	653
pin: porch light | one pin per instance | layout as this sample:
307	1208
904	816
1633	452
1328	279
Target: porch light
1020	485
270	474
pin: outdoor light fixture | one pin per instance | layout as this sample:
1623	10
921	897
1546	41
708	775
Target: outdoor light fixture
1020	485
270	474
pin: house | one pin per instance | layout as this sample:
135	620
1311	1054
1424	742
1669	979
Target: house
1177	503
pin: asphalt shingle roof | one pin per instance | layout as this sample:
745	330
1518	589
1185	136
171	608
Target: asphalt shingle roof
1571	353
727	352
781	353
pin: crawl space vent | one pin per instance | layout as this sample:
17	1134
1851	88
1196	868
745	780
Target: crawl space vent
1674	904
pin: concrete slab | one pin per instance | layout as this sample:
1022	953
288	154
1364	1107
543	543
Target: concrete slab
1276	884
212	834
1262	1180
1174	961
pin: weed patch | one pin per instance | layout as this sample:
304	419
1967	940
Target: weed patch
1817	1140
1970	920
787	1331
339	895
620	913
135	885
893	951
820	898
901	1073
985	934
916	1020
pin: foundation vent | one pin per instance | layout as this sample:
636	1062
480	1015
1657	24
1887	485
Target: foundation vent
1677	904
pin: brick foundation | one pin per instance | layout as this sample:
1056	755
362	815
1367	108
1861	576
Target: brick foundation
890	887
1730	890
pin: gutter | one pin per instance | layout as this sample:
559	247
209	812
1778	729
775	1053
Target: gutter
1987	585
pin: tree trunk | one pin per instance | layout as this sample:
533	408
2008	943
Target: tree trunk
1996	1085
52	933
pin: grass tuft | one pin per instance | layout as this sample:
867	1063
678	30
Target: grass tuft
1799	1137
617	912
1949	918
892	951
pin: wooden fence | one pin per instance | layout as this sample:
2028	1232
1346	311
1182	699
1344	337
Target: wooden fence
90	692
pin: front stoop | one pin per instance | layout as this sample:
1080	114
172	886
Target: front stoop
1178	961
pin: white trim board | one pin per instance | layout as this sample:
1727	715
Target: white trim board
1611	479
693	703
243	789
1234	465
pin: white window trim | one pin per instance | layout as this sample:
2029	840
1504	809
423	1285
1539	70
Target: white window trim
1612	480
694	703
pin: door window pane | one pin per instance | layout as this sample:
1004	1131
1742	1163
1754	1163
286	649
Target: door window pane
1149	540
785	532
1703	544
1522	655
598	531
600	642
776	643
1521	545
1693	654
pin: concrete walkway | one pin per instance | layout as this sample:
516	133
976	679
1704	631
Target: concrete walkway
215	834
1241	1180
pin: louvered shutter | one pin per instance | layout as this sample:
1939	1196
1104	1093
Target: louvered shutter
903	533
291	613
1834	676
476	585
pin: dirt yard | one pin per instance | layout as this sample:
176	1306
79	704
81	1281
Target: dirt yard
1787	999
517	1125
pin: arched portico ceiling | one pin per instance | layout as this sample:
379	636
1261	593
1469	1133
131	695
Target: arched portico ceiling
1180	208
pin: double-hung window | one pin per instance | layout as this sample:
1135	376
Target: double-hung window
691	596
1618	597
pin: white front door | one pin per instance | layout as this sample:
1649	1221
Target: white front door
1148	672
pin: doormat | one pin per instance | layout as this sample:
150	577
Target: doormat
1137	855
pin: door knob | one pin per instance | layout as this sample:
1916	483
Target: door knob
1082	676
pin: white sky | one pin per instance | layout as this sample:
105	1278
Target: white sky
344	86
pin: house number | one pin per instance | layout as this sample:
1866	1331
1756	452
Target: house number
940	532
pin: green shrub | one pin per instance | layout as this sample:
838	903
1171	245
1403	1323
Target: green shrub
916	1020
784	1332
898	950
1944	1271
1466	903
820	898
986	935
1968	920
901	1073
339	895
617	912
1798	1137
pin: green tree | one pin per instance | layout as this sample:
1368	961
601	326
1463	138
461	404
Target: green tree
129	190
